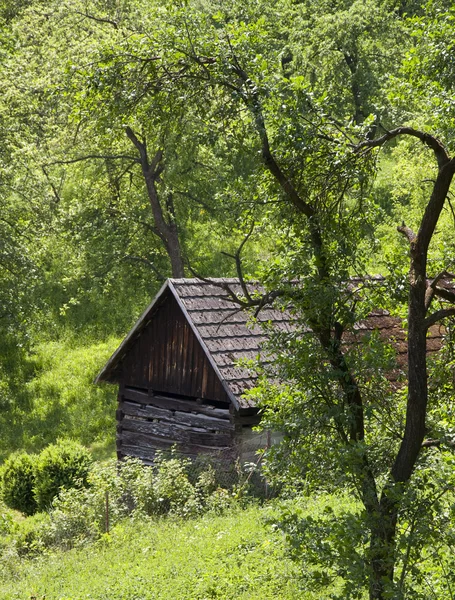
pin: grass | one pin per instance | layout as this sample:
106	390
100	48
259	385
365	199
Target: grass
57	399
236	556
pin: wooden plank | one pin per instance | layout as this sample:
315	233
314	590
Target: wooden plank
116	357
175	403
148	455
189	357
202	344
166	326
160	344
136	395
146	412
190	406
144	453
175	432
208	422
149	442
185	368
205	378
204	420
176	375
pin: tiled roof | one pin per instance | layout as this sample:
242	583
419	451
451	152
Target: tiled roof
229	335
226	330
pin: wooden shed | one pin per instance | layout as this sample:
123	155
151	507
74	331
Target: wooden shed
179	382
179	378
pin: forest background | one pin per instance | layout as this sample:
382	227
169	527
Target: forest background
146	140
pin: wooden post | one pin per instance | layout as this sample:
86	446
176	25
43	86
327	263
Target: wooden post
269	443
107	511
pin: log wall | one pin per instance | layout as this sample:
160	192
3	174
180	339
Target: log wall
147	422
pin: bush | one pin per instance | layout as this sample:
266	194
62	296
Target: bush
87	501
172	486
7	520
74	519
65	464
29	534
17	479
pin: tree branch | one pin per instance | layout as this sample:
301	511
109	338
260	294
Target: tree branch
438	316
69	161
97	19
146	262
445	294
51	183
238	263
431	289
407	232
440	152
435	443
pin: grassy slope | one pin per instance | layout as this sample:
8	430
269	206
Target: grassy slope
225	557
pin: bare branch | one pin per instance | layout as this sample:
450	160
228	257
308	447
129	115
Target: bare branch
152	229
145	262
445	294
69	161
254	104
155	164
141	146
435	443
51	183
97	19
431	289
238	263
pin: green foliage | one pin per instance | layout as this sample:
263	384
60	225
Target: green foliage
27	536
256	108
234	555
17	480
130	489
6	519
50	394
328	535
65	465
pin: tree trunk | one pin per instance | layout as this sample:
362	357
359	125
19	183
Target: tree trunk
166	231
382	545
174	251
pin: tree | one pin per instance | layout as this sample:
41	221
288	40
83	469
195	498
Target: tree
320	169
285	114
106	119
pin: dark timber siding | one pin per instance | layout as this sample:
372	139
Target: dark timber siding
149	422
167	357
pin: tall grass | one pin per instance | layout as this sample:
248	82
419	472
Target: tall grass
228	557
59	399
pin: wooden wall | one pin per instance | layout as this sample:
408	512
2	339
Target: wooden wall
170	395
167	357
147	422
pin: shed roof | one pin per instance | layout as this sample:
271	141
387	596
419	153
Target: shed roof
224	332
228	335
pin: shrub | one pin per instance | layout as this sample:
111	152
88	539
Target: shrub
29	534
172	486
74	518
65	464
86	500
17	478
6	520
